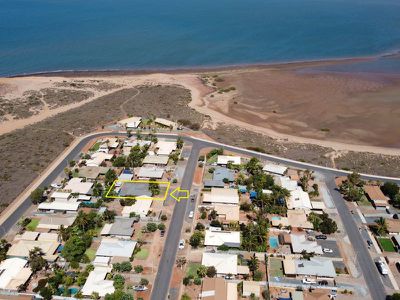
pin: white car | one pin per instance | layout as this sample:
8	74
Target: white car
56	185
140	288
181	244
327	250
309	281
191	214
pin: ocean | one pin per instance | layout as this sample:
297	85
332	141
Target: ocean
51	35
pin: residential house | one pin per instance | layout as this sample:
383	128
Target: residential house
98	158
219	238
251	288
224	263
78	186
131	123
286	183
218	289
316	267
13	273
274	169
300	243
92	173
96	282
141	208
55	221
375	195
225	196
223	160
222	174
151	172
121	228
165	147
227	212
112	247
158	160
299	199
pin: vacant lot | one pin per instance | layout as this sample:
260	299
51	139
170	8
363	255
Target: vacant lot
162	101
27	152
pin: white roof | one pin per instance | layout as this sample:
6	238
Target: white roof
134	142
125	176
152	172
59	205
218	238
217	195
156	159
299	199
77	185
300	243
165	122
141	207
22	248
132	122
286	182
52	221
101	261
13	273
97	158
114	247
224	263
28	236
225	159
48	236
113	142
165	147
316	266
274	169
60	195
318	205
96	282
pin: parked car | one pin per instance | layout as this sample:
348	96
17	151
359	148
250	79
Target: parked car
323	282
307	280
56	185
140	288
191	214
162	233
369	243
382	267
181	244
327	250
321	237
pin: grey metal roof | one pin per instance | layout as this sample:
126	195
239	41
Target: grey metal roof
315	267
122	227
221	173
135	189
214	183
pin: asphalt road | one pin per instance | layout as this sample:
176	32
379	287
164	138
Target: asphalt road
161	285
365	262
163	278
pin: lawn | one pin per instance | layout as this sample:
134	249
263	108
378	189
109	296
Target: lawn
192	269
212	159
142	254
32	225
364	201
95	147
91	253
276	267
386	244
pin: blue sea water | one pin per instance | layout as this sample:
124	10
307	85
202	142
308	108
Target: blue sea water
49	35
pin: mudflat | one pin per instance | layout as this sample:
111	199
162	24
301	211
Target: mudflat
347	108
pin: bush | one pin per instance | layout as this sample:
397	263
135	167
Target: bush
197	281
164	218
144	281
200	227
186	281
258	275
161	226
151	227
138	269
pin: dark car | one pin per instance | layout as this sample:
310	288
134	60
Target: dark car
323	282
321	237
162	233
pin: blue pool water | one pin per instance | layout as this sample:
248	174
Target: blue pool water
273	242
275	218
48	35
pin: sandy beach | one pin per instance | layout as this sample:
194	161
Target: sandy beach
346	112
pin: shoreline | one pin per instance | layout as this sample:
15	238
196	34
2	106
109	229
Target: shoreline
202	69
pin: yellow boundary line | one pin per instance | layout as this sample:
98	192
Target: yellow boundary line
139	198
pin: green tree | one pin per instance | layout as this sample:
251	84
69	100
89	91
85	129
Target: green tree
4	246
211	272
202	271
253	263
119	162
119	281
151	227
110	177
196	239
75	247
154	188
138	269
390	189
185	297
144	281
37	196
161	226
179	143
36	260
46	293
381	226
109	215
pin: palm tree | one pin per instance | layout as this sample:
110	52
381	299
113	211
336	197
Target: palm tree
180	262
253	264
381	226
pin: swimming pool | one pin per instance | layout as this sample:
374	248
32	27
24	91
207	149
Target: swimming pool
275	218
273	242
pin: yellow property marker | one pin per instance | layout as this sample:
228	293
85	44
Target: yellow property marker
176	194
